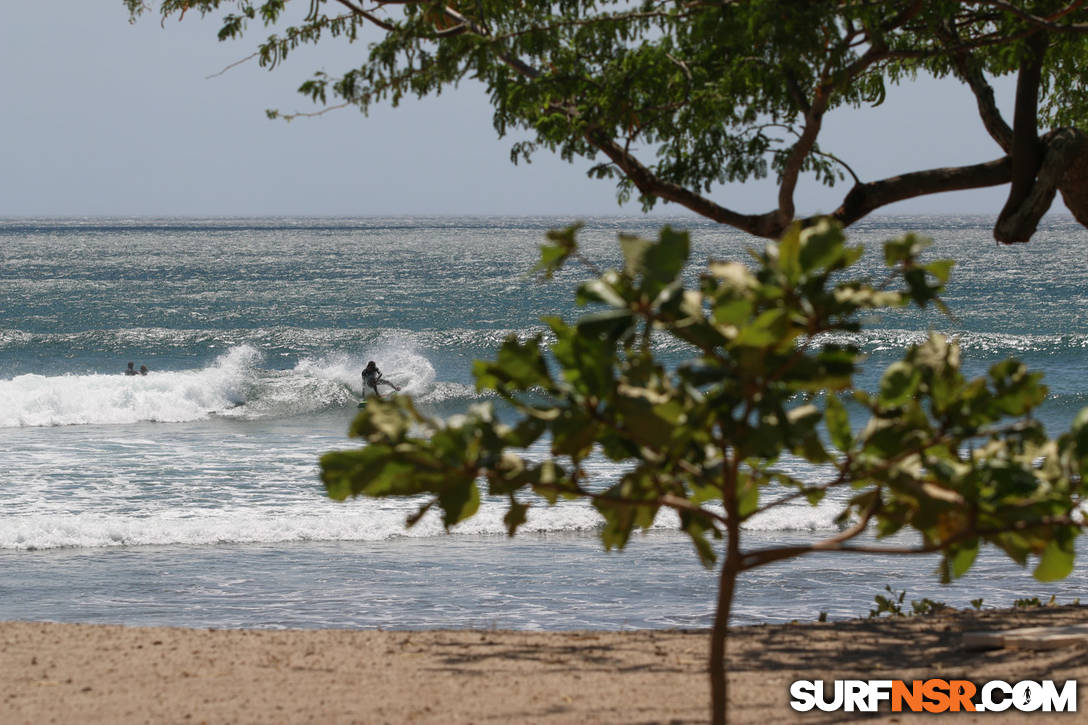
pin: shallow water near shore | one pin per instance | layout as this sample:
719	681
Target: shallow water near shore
190	496
533	582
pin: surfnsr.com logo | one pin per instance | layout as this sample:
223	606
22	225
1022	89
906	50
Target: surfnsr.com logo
934	695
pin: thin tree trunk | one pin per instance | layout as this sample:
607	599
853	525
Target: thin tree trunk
719	682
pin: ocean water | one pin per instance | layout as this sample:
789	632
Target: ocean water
190	495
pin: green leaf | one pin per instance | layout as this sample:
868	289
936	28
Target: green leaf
376	470
697	529
381	419
634	251
734	278
665	260
941	269
961	558
515	516
1079	437
733	312
339	470
747	496
1056	561
459	501
767	330
607	290
574	435
905	248
639	417
554	256
899	383
518	365
821	246
619	521
789	254
610	324
838	423
526	432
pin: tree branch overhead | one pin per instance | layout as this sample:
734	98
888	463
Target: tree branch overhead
673	94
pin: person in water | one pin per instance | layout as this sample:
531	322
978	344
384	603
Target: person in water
372	378
131	370
143	370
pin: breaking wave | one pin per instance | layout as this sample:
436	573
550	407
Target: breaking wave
235	384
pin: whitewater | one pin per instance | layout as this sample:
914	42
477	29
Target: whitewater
191	495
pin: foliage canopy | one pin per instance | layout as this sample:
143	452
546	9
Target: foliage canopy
674	98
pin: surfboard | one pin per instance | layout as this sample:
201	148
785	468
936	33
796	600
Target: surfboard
362	404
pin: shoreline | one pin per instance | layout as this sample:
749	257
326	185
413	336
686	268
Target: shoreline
118	674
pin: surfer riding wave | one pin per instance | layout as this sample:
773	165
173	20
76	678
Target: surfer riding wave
372	378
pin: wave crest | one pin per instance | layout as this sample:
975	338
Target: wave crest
234	385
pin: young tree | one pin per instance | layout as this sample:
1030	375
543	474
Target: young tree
960	461
719	91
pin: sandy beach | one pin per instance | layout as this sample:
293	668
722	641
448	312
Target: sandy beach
76	673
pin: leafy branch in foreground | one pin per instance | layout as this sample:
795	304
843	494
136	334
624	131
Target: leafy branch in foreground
960	461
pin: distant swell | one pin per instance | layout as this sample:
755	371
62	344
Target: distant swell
293	338
482	342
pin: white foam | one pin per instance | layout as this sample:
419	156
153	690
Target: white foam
401	365
324	520
37	400
233	386
797	517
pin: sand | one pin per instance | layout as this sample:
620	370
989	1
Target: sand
79	673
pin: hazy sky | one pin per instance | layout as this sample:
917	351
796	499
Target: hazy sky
106	118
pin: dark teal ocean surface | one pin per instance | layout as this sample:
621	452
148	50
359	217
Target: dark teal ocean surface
190	495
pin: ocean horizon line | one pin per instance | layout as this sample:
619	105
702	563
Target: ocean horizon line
482	215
